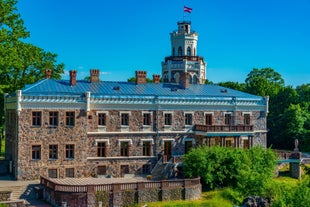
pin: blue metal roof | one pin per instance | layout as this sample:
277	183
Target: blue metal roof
63	87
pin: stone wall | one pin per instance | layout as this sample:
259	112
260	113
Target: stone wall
46	135
129	194
5	195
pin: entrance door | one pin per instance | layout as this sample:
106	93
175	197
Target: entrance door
168	149
124	170
188	146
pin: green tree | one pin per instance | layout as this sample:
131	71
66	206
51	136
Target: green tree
233	85
264	82
20	63
133	79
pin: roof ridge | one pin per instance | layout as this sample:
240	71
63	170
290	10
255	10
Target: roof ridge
35	84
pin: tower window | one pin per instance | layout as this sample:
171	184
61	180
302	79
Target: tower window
173	51
180	52
189	52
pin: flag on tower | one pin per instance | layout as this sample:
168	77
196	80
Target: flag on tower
187	9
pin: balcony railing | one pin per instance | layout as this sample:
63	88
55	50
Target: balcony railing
181	58
223	128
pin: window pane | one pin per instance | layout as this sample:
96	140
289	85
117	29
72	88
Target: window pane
102	119
208	119
146	119
70	172
36	152
70	117
124	148
101	149
53	151
69	151
147	148
125	119
53	118
36	118
168	119
188	119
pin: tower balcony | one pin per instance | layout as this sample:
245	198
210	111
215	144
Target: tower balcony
182	58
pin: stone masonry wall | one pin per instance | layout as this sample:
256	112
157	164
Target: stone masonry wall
45	135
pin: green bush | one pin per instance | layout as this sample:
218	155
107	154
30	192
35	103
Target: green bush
247	170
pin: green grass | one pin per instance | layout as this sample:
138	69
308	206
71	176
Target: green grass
208	199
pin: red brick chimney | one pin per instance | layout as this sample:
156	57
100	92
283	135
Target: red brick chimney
94	75
72	77
184	82
156	78
48	73
140	77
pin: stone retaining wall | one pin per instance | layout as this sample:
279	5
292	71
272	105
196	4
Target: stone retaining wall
118	194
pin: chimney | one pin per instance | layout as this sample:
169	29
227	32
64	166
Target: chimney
184	82
48	73
156	78
72	77
140	77
94	75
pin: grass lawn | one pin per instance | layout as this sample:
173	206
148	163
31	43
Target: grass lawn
208	199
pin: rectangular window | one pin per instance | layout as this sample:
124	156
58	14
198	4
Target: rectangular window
102	119
101	170
147	148
53	118
125	119
188	119
53	151
70	172
147	119
69	151
168	119
36	152
247	119
228	119
208	119
52	173
124	149
70	118
101	149
36	118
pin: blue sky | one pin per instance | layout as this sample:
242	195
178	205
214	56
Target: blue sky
121	36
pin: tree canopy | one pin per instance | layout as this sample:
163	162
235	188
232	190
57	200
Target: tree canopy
21	63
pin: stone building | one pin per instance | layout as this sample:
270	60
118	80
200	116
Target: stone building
78	128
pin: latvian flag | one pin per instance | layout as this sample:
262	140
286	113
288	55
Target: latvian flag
187	9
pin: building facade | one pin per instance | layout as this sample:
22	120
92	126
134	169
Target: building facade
78	128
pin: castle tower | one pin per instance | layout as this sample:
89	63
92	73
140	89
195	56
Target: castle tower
184	58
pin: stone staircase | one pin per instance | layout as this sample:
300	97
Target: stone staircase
20	190
162	170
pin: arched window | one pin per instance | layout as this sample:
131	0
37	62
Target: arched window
195	79
190	80
180	52
177	77
173	51
189	52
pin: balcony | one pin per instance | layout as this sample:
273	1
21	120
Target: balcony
223	128
181	58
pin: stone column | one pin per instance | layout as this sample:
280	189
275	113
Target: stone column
91	197
117	194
